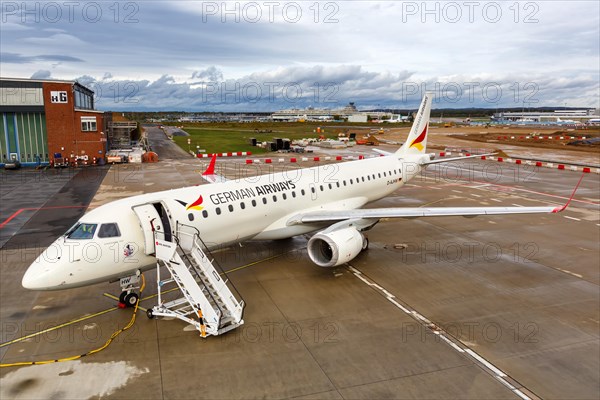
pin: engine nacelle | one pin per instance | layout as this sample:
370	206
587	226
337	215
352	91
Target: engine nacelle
329	249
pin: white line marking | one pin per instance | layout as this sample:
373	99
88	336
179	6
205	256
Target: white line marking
400	306
573	218
486	363
514	389
475	195
566	271
445	339
457	191
517	205
496	200
480	186
499	374
521	394
506	383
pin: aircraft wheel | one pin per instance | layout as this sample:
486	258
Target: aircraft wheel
122	297
131	299
365	245
149	314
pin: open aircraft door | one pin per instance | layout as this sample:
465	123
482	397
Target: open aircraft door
154	222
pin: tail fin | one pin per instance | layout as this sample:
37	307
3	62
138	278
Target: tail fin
416	143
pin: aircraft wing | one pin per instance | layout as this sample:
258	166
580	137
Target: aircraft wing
415	212
209	175
418	212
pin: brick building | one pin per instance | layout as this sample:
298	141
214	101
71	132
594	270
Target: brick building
40	118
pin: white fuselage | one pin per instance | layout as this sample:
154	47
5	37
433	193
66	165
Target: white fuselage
258	207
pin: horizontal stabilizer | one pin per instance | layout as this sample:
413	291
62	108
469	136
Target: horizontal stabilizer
443	160
382	152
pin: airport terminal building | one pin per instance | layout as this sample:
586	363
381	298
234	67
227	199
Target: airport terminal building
41	119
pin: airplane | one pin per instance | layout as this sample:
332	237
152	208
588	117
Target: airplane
565	121
116	241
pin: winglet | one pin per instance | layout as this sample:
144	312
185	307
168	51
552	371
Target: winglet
563	208
210	170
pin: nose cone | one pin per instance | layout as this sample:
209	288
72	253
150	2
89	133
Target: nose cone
36	277
45	273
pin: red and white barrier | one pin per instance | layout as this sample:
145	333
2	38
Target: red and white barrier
232	154
541	137
517	161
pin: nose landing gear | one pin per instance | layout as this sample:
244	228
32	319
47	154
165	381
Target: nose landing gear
128	296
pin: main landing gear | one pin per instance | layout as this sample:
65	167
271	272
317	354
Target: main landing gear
129	284
365	244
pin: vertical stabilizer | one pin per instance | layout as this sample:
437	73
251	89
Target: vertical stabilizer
416	143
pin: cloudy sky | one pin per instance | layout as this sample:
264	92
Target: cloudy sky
265	56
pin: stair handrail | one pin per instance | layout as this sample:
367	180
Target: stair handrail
212	259
200	278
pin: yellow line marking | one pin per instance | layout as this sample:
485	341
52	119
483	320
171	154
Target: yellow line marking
259	261
156	295
57	327
431	202
22	338
110	296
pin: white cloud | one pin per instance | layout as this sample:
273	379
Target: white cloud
371	50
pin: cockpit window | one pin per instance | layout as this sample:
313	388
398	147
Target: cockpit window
108	231
83	231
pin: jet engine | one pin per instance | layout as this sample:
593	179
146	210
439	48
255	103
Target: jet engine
329	249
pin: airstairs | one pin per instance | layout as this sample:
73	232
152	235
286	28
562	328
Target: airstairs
208	301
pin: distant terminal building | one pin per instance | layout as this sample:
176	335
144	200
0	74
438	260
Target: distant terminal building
44	118
557	116
325	114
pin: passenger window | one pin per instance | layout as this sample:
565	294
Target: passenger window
344	182
303	192
204	213
338	184
312	189
274	198
351	182
264	200
321	187
83	231
218	210
330	187
110	230
242	205
230	208
294	194
190	217
253	203
379	174
284	196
